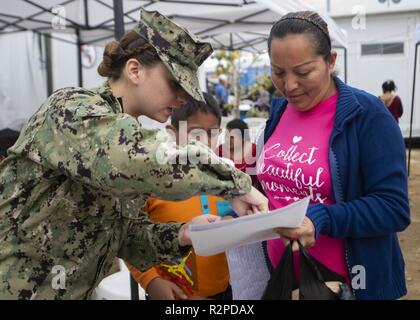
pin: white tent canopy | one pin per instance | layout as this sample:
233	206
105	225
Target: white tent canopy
227	24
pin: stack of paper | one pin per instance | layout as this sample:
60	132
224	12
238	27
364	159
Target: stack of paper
217	237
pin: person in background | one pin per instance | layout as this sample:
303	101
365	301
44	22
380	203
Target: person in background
263	101
193	276
391	100
222	93
239	148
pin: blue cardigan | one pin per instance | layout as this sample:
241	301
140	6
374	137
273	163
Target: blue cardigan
368	172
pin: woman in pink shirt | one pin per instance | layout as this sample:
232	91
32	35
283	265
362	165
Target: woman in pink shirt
294	162
326	141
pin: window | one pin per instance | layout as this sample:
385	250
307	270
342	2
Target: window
382	48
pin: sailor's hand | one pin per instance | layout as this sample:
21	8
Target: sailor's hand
184	238
250	203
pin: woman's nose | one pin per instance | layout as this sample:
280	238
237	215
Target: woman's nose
290	84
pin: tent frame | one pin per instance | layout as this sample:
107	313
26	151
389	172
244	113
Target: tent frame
119	27
410	138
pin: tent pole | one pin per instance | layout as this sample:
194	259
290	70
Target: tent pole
79	58
345	65
134	289
119	32
85	5
118	19
48	65
410	138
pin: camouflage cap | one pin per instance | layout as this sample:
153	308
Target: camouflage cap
180	51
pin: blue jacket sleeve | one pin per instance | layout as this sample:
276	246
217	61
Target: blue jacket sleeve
382	207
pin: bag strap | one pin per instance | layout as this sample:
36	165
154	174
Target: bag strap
310	260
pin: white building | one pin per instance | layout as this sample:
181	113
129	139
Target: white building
381	46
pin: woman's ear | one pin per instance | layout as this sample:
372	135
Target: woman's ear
133	70
333	59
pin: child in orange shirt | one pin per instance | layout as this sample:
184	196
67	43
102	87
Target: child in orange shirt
194	277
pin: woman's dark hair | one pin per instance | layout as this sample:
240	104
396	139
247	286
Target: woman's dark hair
193	106
116	54
304	22
388	86
239	125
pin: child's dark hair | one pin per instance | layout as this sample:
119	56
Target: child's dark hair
388	86
241	126
304	22
193	106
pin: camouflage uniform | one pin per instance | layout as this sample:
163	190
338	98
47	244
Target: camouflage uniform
72	188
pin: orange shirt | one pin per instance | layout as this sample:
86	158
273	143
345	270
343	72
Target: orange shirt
202	276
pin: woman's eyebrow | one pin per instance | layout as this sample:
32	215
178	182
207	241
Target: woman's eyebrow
296	66
303	64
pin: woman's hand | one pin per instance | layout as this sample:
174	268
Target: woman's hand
305	234
161	289
184	238
250	203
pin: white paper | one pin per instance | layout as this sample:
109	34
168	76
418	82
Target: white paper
217	237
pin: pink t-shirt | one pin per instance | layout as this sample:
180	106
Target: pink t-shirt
294	164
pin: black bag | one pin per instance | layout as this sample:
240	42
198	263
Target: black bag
282	280
317	282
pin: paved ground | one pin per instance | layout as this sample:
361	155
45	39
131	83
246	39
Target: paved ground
410	238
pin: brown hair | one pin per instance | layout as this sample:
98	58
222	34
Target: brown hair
116	54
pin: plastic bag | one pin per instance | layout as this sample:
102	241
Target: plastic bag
316	282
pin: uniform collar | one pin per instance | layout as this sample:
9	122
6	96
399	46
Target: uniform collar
106	93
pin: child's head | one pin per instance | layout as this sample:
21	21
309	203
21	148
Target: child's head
236	130
197	120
